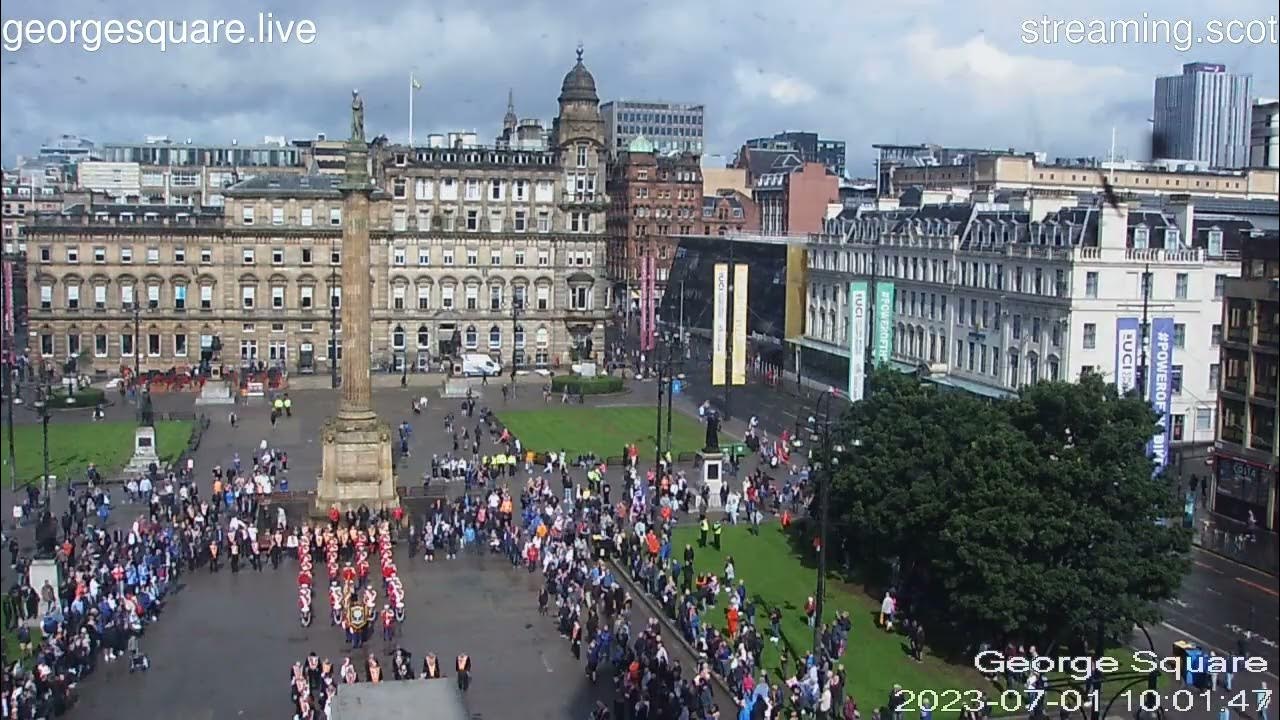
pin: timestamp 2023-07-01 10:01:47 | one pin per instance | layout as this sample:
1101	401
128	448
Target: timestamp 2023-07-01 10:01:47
1125	702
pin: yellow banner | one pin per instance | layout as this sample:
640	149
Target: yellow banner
739	369
720	324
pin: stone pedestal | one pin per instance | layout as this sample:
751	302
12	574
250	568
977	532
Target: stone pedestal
216	392
356	466
44	570
712	475
144	452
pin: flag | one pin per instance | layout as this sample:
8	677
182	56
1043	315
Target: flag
414	82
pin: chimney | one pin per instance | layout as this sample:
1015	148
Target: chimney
1184	215
1113	225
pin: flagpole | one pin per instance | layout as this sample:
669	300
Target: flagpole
410	110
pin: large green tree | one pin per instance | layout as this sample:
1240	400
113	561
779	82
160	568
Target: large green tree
1033	518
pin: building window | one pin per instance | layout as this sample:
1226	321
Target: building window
495	257
1090	336
1204	420
277	216
126	255
126	296
335	257
397	338
398	256
424	257
277	298
1180	286
246	215
471	338
180	297
519	258
73	297
206	297
46	254
544	258
1091	284
424	337
1175	379
1179	335
495	297
179	255
473	297
246	256
450	220
153	344
335	216
306	256
307	217
206	256
99	297
277	256
446	297
126	343
473	257
544	221
398	188
247	293
397	297
582	155
306	296
1216	334
471	189
100	345
495	338
448	257
424	297
1219	286
400	220
542	297
521	222
495	190
99	255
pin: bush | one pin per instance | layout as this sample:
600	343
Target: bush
576	384
85	397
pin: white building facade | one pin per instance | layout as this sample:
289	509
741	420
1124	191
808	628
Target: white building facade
993	296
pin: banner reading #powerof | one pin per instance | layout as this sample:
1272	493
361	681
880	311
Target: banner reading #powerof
1160	377
720	324
882	341
857	338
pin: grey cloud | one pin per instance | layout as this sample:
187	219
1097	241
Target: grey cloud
854	56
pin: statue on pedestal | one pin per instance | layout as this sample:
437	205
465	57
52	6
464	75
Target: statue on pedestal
146	414
713	429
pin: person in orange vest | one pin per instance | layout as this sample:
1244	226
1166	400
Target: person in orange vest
786	519
651	539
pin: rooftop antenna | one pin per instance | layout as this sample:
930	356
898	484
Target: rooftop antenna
1112	174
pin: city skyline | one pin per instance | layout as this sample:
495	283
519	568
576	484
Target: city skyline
758	71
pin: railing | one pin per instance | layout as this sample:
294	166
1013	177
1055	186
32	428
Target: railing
1236	385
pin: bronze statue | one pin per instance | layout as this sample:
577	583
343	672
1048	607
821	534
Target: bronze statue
713	428
357	116
146	415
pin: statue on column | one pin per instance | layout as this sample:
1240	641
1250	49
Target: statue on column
357	116
146	414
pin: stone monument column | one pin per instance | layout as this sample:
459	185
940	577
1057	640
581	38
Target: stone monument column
357	403
357	466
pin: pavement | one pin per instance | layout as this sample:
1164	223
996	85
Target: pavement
222	634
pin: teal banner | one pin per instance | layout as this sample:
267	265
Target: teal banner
882	340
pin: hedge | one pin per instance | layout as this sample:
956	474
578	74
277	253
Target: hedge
85	397
576	384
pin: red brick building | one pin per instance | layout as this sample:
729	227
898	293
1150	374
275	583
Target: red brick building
652	199
792	196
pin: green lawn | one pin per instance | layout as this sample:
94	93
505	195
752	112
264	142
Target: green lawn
874	660
73	445
603	431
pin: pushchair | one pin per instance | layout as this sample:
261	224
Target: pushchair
138	661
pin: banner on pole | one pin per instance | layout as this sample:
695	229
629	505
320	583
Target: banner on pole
720	324
1127	350
858	293
1160	377
739	357
882	347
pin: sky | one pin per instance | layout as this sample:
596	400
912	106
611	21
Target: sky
953	72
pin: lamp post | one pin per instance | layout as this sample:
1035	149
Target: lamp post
41	405
666	369
333	329
826	458
137	352
517	307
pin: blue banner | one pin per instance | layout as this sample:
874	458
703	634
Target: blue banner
1160	388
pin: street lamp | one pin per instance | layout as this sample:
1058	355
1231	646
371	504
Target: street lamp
826	458
666	376
333	329
137	353
517	307
41	405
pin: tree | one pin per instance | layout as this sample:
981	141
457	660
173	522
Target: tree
1031	518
